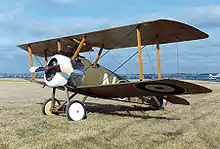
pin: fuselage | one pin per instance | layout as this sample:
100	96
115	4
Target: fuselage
79	72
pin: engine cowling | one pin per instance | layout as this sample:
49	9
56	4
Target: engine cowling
67	70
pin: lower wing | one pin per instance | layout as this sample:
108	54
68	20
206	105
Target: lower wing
145	88
164	87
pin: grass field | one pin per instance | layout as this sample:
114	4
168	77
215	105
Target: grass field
109	124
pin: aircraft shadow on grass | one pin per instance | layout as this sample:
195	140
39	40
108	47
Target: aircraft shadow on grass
123	111
111	109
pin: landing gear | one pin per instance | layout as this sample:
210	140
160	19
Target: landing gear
160	102
119	82
47	108
75	110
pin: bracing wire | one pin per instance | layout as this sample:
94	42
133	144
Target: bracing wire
128	71
90	56
149	58
38	61
123	64
110	50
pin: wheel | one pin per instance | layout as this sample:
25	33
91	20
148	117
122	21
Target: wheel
119	82
75	110
47	105
162	102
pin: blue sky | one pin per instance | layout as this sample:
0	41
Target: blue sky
24	21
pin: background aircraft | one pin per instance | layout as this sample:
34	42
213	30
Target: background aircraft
214	77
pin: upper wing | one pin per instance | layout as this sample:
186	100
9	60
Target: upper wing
50	47
165	31
145	88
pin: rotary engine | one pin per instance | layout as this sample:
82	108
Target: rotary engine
61	70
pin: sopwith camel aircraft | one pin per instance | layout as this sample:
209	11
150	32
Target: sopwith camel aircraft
68	71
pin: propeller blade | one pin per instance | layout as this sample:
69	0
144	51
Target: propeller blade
37	69
55	68
47	68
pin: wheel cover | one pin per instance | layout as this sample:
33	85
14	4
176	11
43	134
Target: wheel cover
76	111
48	106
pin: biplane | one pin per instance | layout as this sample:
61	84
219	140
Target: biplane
65	69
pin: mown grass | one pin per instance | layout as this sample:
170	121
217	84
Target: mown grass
33	129
174	134
108	125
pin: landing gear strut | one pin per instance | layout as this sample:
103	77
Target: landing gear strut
160	102
50	105
75	109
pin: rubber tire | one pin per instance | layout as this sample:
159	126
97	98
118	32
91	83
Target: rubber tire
68	107
162	101
46	102
124	98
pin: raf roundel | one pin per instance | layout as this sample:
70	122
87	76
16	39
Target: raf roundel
160	88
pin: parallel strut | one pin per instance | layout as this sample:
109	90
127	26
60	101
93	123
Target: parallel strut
158	59
98	57
59	46
31	60
79	48
140	54
45	57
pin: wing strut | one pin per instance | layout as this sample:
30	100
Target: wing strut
45	56
158	59
31	60
59	46
79	48
98	57
139	53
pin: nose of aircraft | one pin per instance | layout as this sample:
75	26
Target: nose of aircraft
60	70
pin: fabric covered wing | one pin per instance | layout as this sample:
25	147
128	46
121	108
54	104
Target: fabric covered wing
49	47
163	31
164	87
